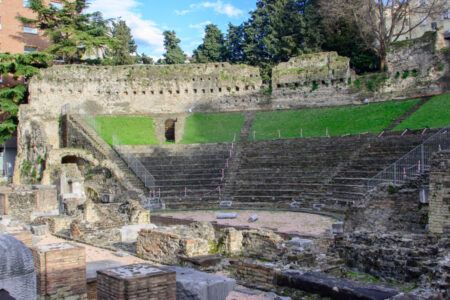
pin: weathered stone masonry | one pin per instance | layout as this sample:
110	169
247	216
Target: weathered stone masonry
439	216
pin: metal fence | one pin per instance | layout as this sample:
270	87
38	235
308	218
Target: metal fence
414	162
134	164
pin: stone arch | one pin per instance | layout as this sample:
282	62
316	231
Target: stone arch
169	131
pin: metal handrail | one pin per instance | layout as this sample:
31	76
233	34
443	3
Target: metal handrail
415	162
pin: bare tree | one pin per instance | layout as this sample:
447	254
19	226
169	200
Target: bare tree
382	22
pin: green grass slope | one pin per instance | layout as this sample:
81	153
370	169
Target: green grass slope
373	117
212	128
434	113
130	130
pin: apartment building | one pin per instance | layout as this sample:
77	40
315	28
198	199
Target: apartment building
16	37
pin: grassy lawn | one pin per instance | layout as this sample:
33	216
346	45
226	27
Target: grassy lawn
340	120
434	113
130	130
212	128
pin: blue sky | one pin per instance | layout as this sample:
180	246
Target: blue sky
149	18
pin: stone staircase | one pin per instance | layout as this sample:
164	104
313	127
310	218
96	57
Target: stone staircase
83	135
186	176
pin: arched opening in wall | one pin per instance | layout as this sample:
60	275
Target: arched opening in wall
170	130
4	295
70	159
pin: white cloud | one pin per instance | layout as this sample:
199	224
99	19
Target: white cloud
144	31
218	6
200	25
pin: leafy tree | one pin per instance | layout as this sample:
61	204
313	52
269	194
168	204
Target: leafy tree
121	54
380	23
234	43
72	32
17	65
174	54
212	49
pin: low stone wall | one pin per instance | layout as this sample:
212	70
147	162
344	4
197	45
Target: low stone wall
168	244
395	256
25	203
321	242
253	273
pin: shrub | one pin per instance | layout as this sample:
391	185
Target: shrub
405	74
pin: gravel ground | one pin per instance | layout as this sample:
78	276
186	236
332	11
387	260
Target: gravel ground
283	221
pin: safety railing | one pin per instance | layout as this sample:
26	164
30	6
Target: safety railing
134	164
415	162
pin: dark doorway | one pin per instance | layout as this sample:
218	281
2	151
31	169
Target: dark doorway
69	159
170	130
4	295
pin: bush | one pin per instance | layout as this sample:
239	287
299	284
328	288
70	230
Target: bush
405	74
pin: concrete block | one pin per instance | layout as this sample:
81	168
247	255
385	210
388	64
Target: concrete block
39	230
225	204
337	227
129	233
195	285
232	215
253	218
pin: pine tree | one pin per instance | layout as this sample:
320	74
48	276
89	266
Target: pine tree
121	54
73	33
174	54
213	48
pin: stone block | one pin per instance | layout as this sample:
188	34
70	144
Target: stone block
129	233
232	215
337	227
252	273
253	218
302	243
61	271
5	220
225	204
195	285
39	230
138	281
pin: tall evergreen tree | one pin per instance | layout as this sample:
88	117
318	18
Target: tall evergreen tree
72	32
234	43
121	54
174	54
213	48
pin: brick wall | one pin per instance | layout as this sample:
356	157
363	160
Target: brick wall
61	271
253	274
139	281
439	217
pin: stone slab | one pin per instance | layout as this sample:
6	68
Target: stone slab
94	266
302	243
336	288
253	218
204	261
232	215
195	285
39	230
225	204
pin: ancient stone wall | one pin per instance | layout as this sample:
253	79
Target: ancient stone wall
439	196
26	203
389	207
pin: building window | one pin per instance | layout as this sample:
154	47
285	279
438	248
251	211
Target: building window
446	15
0	19
56	5
31	30
424	21
29	49
26	3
